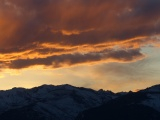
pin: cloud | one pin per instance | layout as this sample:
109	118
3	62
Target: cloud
143	70
76	28
74	59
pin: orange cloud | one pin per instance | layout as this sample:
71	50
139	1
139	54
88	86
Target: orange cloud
51	30
75	59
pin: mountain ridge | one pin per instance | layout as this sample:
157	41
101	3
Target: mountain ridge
50	102
66	102
141	105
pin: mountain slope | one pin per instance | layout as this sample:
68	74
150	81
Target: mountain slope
65	102
142	105
49	102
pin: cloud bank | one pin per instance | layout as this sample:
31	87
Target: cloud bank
62	33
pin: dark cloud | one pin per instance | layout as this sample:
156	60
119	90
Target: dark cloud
73	59
111	20
27	24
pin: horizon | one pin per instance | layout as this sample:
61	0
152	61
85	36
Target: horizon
110	45
135	91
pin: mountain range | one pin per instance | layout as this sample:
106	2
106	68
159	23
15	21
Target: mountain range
66	102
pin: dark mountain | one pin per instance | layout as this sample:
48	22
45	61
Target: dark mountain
49	102
65	102
142	105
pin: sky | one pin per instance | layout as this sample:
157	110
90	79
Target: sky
99	44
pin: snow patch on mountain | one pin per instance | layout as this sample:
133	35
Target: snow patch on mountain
56	102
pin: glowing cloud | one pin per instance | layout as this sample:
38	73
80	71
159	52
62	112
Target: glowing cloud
72	32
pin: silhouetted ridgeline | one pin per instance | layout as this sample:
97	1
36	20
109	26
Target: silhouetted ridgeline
67	102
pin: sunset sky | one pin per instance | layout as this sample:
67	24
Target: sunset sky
100	44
